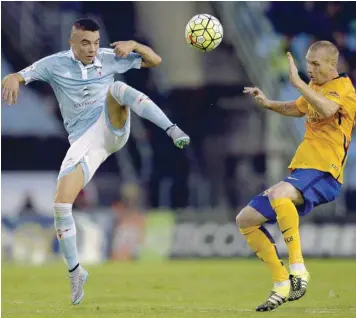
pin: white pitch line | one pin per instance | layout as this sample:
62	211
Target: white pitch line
320	311
284	309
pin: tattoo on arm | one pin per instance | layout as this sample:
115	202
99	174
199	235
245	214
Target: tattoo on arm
286	108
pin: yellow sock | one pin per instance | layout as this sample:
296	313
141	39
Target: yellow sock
262	243
288	220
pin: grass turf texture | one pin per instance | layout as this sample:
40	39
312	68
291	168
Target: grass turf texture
209	288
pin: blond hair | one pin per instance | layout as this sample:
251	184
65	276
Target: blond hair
332	52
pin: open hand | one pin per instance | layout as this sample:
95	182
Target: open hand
294	77
11	87
259	96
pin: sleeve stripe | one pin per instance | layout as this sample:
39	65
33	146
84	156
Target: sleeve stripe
106	51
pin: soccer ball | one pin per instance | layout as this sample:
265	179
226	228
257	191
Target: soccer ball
204	32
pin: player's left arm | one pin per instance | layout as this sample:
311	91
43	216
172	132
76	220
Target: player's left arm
325	106
149	57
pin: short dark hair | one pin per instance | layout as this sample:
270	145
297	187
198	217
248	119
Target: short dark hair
86	24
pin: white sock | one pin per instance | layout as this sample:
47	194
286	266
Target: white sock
66	233
144	107
297	267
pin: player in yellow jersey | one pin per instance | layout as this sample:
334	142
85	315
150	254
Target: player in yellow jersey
329	103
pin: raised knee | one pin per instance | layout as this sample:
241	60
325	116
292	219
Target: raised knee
117	91
275	193
249	219
238	219
283	190
242	219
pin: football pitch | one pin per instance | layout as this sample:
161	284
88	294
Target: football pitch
208	288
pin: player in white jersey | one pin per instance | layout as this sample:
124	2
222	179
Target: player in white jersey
96	115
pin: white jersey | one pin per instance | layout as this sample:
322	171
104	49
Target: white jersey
80	89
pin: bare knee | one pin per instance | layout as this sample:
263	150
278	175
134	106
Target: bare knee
280	190
285	190
248	217
117	112
240	219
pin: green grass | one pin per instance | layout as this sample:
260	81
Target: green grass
230	288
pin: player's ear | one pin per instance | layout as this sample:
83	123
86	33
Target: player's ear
332	63
71	43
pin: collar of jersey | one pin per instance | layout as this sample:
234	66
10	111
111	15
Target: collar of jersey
96	63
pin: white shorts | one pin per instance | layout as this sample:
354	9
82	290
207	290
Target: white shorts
94	146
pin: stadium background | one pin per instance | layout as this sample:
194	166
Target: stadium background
152	201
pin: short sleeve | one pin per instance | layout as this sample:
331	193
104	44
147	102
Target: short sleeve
119	64
302	104
133	60
38	71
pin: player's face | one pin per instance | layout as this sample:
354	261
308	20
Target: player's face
85	45
318	66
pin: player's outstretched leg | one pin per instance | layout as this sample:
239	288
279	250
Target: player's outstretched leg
249	222
283	199
67	190
144	107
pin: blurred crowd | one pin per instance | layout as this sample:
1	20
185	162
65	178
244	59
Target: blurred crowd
305	22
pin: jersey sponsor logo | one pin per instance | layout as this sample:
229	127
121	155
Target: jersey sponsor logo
333	94
84	104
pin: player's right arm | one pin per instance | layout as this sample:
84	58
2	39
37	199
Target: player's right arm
40	70
286	108
11	86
